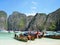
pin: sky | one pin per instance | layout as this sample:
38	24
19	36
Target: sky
29	7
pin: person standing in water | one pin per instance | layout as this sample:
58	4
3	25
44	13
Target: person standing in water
29	35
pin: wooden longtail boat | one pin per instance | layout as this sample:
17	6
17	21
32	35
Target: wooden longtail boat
27	36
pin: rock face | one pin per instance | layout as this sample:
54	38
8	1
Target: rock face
37	21
3	20
17	21
53	19
29	18
41	21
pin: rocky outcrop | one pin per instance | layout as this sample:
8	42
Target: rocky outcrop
53	19
3	20
17	21
41	21
37	21
29	18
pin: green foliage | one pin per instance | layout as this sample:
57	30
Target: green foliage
41	27
22	22
5	24
52	27
3	19
3	14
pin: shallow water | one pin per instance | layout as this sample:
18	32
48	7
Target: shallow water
6	35
8	39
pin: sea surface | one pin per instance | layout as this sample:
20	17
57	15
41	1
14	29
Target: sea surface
8	39
6	35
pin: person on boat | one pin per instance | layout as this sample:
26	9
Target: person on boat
16	36
37	34
29	35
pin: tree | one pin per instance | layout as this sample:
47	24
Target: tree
40	27
58	25
52	26
22	23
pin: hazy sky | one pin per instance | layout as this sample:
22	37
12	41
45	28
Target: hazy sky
29	6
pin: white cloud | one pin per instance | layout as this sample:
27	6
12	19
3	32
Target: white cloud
34	7
30	14
34	3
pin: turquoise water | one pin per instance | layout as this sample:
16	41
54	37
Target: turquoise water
8	39
6	35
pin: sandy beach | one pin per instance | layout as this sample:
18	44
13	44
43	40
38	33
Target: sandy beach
7	39
42	41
